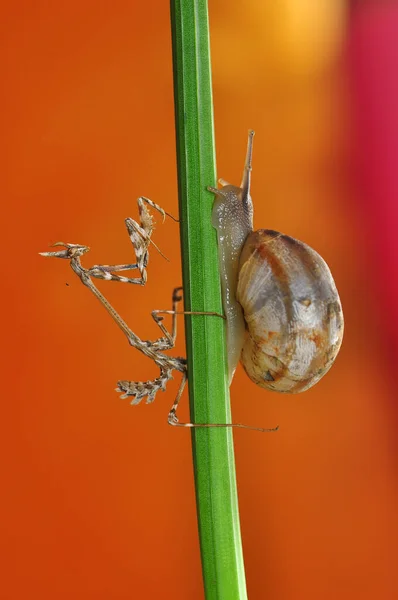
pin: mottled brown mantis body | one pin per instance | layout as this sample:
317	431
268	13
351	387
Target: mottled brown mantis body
140	236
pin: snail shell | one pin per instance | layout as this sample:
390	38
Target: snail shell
292	312
284	316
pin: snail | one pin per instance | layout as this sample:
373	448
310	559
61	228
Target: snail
283	311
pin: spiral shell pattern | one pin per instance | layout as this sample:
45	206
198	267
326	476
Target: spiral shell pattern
294	320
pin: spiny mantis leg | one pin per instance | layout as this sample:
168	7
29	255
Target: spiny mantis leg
173	419
73	252
140	236
169	336
176	298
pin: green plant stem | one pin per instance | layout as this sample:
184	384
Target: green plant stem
214	467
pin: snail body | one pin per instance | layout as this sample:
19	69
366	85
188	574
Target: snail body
283	311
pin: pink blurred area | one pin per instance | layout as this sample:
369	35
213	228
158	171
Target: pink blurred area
98	497
373	69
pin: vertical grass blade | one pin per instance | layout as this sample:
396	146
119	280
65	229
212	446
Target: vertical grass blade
216	494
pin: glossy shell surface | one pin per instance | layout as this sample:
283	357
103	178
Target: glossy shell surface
294	320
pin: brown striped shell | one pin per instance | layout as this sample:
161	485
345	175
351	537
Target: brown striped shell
292	311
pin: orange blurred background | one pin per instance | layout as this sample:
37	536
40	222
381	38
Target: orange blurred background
98	497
